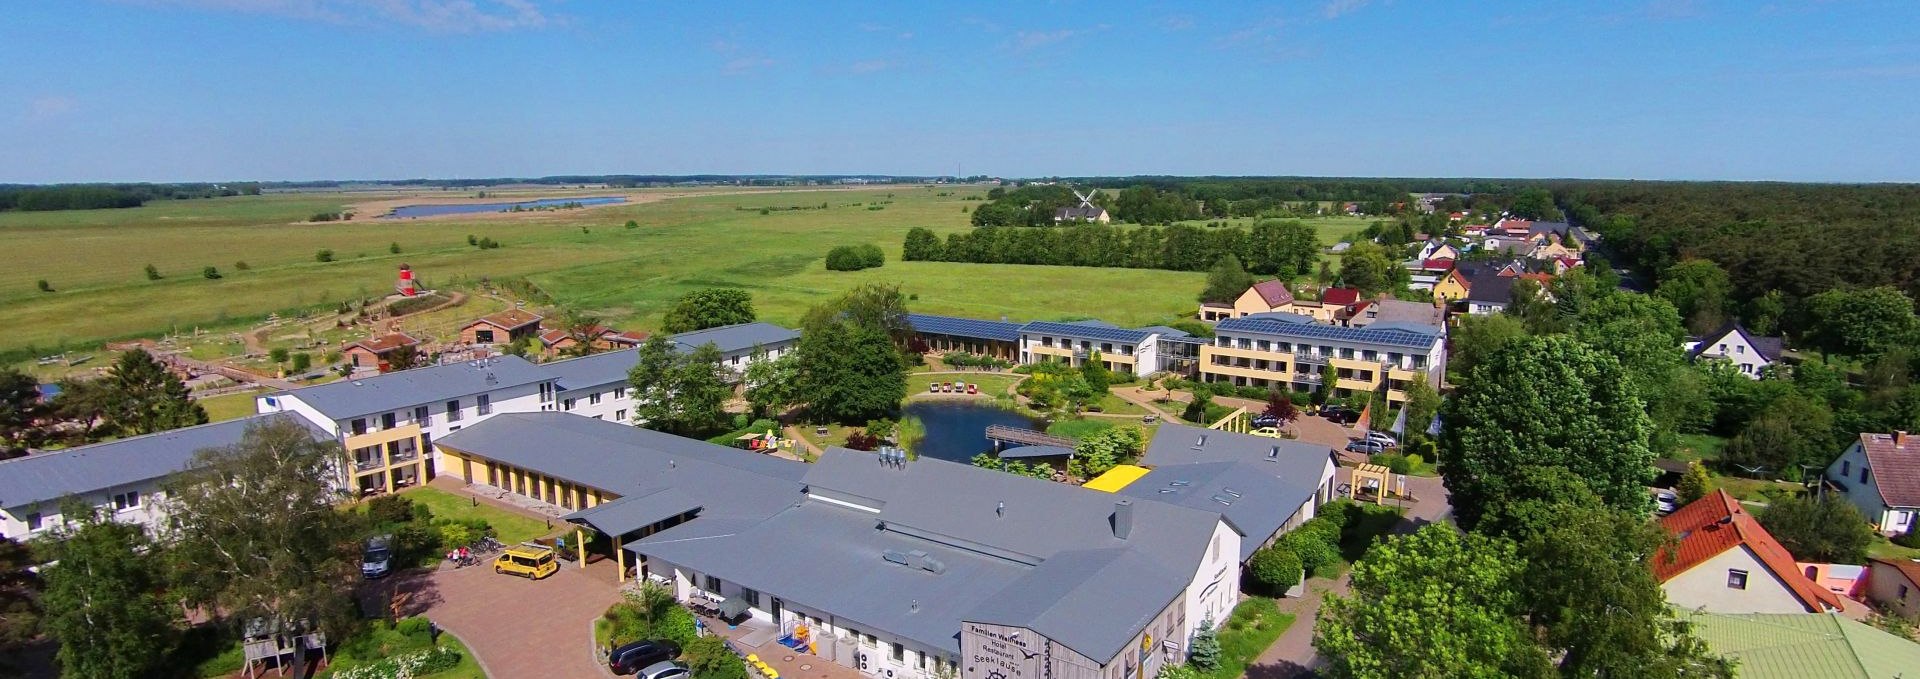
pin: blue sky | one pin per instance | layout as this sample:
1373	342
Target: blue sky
160	90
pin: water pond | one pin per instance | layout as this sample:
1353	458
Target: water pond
409	211
957	430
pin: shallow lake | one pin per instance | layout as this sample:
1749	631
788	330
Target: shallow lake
406	211
957	430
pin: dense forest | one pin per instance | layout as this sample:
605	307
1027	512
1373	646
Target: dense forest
98	196
1278	247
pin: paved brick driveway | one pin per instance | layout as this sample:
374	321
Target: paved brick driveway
518	629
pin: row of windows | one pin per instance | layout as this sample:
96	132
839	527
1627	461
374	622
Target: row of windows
1322	351
594	399
1085	345
126	501
423	415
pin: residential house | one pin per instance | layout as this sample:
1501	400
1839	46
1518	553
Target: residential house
1263	297
1893	586
121	477
1723	561
1289	351
378	353
1803	645
1438	249
902	568
1880	474
1389	310
556	343
1451	287
501	328
1086	211
1743	348
388	423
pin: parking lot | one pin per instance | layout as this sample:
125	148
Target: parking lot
517	628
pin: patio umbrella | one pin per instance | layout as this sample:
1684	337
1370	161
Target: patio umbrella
733	607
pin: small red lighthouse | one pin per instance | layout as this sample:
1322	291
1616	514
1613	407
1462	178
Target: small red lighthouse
405	286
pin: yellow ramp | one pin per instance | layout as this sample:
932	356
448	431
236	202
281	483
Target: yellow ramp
1120	476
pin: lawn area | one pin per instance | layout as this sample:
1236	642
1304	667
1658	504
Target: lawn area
1755	490
1254	626
94	260
1699	447
1108	403
1885	549
508	527
1080	427
992	384
228	406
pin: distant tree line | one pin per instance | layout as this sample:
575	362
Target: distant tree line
1163	200
1270	247
100	196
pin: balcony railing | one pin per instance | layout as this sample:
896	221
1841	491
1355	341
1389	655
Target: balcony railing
364	465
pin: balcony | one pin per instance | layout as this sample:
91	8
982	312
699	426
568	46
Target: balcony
406	456
361	465
1305	357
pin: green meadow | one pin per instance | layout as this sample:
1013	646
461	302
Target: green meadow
95	261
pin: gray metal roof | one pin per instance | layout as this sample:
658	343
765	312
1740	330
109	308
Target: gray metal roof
832	559
1086	331
596	370
1184	444
1257	497
1022	452
954	326
348	399
635	512
50	476
1073	599
635	462
739	337
1383	334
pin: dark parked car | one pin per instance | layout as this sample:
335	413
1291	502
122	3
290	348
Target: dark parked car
376	561
1265	421
1340	414
629	658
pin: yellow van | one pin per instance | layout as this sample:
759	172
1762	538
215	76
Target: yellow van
530	561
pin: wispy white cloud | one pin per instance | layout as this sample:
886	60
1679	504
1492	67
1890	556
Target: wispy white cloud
1027	41
869	66
738	59
1259	33
1335	9
50	107
436	16
1177	22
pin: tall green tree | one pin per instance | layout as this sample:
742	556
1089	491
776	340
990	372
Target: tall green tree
1594	603
1478	337
1788	433
1545	401
583	328
1226	280
102	599
1644	334
1367	266
1829	530
1700	290
20	412
651	377
772	384
708	308
921	246
146	398
256	532
1862	322
1095	372
851	355
1432	604
20	597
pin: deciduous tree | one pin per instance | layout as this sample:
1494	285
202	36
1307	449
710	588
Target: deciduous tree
1700	290
772	384
1830	530
709	308
20	411
1432	604
1862	322
101	600
256	533
20	597
1226	280
1545	401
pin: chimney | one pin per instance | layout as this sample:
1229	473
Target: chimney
1122	518
1000	510
1899	439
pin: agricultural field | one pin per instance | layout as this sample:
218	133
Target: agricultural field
756	240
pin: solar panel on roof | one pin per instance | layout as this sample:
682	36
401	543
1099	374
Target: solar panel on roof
1394	336
1086	331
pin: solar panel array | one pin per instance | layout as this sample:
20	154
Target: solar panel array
1399	336
954	326
1085	332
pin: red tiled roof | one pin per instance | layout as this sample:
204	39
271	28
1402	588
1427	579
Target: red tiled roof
1908	568
511	319
386	343
1716	523
1275	293
1895	461
627	337
1540	278
1339	296
1436	264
